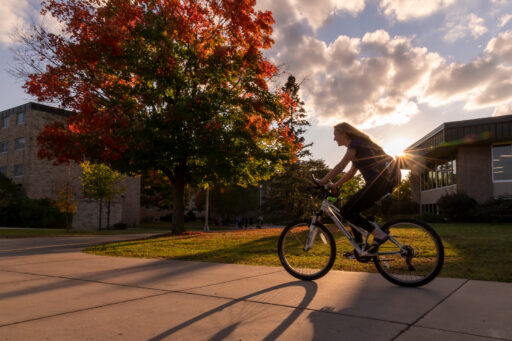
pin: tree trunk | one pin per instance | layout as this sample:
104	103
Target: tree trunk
206	227
178	214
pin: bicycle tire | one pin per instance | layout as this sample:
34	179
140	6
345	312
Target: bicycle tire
425	240
317	261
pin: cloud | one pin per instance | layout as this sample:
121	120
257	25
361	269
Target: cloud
368	81
482	83
462	25
502	110
505	19
12	16
403	10
315	13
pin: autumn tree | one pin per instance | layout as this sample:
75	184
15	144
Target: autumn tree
177	86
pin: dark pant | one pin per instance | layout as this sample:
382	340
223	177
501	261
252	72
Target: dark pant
365	198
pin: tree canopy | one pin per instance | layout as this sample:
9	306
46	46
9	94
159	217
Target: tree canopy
177	86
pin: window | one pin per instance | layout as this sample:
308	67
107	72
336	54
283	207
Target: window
18	170
20	118
19	144
502	162
3	170
4	122
440	175
4	146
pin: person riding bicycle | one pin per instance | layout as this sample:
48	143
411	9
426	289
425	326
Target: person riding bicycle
379	170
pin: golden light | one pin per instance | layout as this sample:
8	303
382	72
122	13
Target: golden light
396	146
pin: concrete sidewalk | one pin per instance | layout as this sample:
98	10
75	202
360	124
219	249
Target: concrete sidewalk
49	289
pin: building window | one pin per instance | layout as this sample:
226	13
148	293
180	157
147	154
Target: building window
18	170
20	118
19	144
3	170
4	146
502	162
4	122
441	174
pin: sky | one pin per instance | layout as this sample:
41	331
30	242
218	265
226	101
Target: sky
396	69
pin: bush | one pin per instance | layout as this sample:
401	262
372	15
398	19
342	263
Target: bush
495	210
17	210
119	226
457	207
167	217
190	216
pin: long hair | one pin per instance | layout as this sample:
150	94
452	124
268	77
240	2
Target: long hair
351	131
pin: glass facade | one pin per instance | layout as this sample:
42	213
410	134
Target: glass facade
502	162
441	174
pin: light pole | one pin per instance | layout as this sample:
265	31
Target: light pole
206	227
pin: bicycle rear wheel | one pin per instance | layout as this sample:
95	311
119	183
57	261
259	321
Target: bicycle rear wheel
421	258
311	264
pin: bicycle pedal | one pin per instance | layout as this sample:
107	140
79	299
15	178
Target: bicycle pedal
349	255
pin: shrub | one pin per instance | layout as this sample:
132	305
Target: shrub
119	226
17	210
167	217
457	207
495	210
190	216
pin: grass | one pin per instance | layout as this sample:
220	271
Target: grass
161	227
473	251
33	232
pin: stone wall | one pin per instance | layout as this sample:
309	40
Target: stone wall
87	214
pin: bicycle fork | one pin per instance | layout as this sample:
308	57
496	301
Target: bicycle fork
313	232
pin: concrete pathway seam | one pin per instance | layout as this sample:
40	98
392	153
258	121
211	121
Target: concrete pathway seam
80	310
429	310
186	292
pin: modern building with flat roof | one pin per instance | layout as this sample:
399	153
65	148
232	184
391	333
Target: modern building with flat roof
19	129
471	156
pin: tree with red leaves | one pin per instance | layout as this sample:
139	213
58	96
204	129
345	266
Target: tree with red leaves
177	86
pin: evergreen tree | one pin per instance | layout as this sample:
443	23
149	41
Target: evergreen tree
296	120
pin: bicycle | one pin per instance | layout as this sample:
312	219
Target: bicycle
412	256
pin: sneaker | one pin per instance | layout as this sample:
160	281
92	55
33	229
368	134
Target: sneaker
376	243
351	254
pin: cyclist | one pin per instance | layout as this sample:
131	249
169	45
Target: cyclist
380	174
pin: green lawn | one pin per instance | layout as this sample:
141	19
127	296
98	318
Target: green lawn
473	251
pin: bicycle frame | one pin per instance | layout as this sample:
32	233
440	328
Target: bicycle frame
334	213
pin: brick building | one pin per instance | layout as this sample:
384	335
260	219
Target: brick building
19	128
472	156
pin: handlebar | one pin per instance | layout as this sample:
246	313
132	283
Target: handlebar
325	190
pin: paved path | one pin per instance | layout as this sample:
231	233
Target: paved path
51	290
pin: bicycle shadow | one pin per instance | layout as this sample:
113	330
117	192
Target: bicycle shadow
310	288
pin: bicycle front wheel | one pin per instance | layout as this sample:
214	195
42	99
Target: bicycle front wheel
313	263
416	260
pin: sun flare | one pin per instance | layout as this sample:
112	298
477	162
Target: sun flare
396	147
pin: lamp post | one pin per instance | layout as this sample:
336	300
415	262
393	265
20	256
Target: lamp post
206	227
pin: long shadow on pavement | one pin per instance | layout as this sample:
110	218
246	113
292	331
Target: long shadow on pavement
311	289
